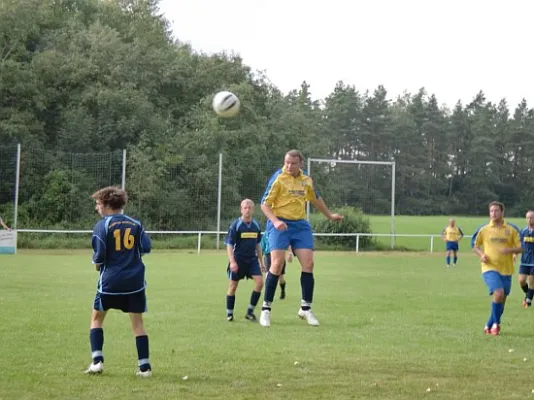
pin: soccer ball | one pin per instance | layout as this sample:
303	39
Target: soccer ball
226	104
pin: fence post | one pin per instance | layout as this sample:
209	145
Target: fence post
219	199
199	242
432	243
123	178
17	184
357	243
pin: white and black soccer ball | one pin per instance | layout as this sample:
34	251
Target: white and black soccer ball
226	104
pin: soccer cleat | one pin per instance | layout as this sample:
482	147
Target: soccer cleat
230	317
526	303
144	374
308	316
283	295
487	330
265	318
448	266
495	330
95	369
251	317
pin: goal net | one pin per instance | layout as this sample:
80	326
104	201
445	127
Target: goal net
366	185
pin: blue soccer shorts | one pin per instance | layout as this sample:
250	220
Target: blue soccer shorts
128	303
526	270
495	280
298	235
451	246
245	269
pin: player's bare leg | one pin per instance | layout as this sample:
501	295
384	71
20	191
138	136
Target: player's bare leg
530	293
523	283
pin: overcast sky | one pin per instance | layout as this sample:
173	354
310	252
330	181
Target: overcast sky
452	48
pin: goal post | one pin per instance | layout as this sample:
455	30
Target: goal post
373	182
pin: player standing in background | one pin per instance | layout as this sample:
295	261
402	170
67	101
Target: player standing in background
118	243
495	243
284	204
452	236
245	258
526	268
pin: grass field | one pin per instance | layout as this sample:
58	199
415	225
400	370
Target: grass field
393	327
428	225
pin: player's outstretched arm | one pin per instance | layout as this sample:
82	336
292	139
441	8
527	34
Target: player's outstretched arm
7	228
321	206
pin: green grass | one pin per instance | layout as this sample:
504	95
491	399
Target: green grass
428	225
393	325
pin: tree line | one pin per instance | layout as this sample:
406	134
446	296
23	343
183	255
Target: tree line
93	76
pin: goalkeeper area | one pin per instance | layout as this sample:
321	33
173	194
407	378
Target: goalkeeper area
392	327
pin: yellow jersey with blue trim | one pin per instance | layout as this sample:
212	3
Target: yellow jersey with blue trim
493	239
452	233
287	194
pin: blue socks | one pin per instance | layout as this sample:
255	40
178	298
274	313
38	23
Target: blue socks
142	353
270	289
497	310
448	259
307	283
254	298
96	337
230	302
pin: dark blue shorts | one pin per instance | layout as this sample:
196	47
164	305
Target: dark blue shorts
495	281
267	259
244	270
451	246
128	303
526	270
298	235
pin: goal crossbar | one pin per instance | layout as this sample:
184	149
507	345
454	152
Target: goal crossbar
390	163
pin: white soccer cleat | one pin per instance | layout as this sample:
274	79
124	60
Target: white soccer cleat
95	369
308	316
144	374
265	318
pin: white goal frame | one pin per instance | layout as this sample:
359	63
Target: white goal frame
390	163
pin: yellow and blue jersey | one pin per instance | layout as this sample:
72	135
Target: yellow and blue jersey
452	233
493	239
527	243
118	243
287	195
244	236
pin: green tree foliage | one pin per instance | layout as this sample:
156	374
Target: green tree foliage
94	76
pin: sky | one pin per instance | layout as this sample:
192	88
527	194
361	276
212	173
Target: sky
452	48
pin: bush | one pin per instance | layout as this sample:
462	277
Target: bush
354	221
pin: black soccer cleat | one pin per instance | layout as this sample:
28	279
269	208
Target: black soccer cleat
230	317
251	317
283	295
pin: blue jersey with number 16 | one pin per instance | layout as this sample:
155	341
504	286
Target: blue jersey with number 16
118	243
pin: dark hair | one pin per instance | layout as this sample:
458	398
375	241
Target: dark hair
498	204
296	153
112	197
